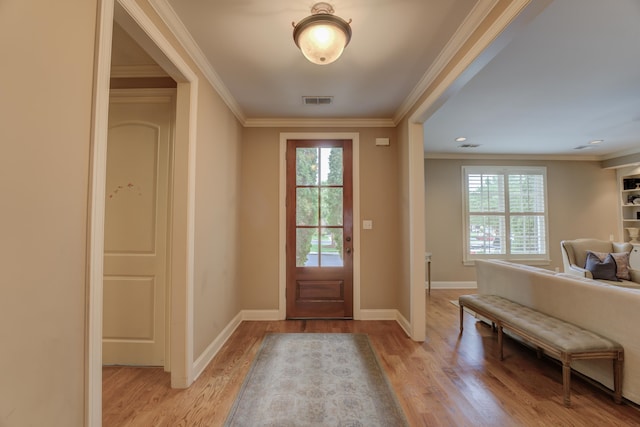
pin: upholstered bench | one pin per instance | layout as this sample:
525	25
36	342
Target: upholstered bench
550	335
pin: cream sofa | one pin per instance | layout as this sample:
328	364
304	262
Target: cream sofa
611	311
574	255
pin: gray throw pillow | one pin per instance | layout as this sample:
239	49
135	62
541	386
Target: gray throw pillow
605	270
622	263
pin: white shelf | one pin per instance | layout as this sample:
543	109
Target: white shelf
629	209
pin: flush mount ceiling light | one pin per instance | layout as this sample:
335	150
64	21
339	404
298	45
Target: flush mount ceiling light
322	36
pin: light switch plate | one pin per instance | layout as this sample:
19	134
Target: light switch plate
367	224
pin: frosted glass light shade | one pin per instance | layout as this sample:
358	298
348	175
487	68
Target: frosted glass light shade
322	37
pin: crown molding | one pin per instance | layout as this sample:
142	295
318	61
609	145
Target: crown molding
623	153
479	12
621	159
545	157
488	44
318	122
178	29
137	71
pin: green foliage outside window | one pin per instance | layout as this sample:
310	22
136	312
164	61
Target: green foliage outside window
308	173
333	198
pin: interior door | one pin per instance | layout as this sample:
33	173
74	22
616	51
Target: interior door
135	264
319	229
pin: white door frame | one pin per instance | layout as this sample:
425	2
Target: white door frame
182	203
512	19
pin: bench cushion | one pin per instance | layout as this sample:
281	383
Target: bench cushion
564	336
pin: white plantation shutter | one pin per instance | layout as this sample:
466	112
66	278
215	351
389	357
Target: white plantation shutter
506	214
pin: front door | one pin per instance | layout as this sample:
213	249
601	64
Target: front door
319	229
136	218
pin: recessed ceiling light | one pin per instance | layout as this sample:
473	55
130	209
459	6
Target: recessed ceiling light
596	141
461	139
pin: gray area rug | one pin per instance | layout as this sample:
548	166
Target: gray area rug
316	380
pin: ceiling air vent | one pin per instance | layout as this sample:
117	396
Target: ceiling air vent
317	100
469	146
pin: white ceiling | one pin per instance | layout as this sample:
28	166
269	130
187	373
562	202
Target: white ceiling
567	75
570	76
249	44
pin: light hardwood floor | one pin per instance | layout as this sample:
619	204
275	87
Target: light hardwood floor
446	381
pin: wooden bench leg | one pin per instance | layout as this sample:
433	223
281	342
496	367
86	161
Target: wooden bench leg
566	382
617	379
500	341
461	318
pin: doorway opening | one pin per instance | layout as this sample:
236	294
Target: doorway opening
181	205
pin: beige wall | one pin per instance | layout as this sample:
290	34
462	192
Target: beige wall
582	202
45	128
47	51
258	272
216	226
218	145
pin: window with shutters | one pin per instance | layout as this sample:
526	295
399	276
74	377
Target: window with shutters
505	213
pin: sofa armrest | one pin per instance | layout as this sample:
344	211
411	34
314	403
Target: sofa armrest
635	275
581	272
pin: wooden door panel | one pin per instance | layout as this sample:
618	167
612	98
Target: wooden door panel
320	290
319	229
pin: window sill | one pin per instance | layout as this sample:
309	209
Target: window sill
472	262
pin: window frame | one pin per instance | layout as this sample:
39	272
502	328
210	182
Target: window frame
533	259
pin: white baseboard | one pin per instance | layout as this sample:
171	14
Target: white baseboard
209	353
387	314
404	324
203	360
452	285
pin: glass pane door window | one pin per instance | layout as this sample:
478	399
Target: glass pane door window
319	207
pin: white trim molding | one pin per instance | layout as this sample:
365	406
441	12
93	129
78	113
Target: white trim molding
479	12
200	364
405	324
387	314
96	215
483	50
319	122
171	19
